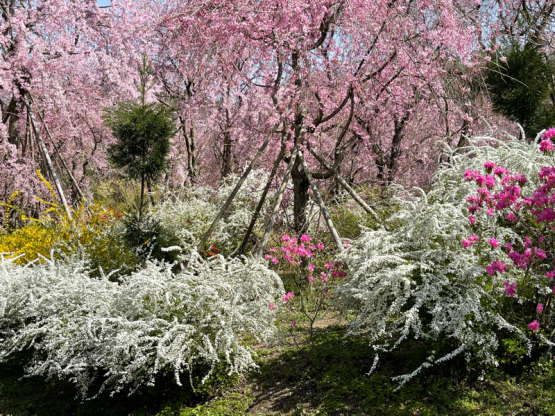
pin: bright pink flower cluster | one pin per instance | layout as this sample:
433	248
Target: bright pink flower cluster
496	266
493	242
471	241
510	198
546	146
507	197
535	212
288	296
534	325
272	258
510	288
549	133
335	270
294	251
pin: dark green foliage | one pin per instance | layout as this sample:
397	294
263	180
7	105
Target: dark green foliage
522	88
146	237
143	134
334	381
35	396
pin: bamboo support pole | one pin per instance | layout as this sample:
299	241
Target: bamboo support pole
320	203
277	204
47	160
233	194
72	178
262	200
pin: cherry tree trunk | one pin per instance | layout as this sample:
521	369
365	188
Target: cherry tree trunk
227	155
301	185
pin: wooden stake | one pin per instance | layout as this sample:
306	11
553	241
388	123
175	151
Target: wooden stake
262	200
75	184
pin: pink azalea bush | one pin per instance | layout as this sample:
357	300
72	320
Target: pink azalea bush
465	264
525	206
304	260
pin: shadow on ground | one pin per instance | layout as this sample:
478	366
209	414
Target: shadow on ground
332	380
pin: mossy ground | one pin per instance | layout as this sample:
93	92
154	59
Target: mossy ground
332	380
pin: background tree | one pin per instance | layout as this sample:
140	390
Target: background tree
521	86
73	58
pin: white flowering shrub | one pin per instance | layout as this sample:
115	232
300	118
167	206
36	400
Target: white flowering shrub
189	214
125	334
418	280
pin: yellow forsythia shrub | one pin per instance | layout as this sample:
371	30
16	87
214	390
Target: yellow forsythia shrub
91	231
32	240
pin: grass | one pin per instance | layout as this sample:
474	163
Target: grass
333	380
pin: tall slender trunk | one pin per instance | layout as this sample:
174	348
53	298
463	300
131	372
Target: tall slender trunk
301	186
189	136
142	197
227	155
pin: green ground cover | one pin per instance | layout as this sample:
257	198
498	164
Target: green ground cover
332	380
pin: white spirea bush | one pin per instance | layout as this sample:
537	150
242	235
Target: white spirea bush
189	214
81	328
419	267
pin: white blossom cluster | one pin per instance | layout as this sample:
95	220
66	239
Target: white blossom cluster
415	280
124	334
